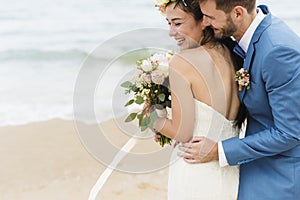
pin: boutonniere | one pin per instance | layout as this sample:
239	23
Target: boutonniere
243	78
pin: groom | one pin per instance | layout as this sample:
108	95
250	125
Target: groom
269	155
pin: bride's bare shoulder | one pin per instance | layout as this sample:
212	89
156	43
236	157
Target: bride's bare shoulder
178	63
192	51
189	57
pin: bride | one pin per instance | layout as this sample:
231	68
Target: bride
204	103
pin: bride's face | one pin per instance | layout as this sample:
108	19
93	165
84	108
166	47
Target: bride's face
183	27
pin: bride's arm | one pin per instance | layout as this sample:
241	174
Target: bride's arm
181	126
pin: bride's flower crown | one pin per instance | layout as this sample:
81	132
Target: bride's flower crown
162	4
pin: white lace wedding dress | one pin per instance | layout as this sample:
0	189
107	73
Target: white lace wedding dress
206	181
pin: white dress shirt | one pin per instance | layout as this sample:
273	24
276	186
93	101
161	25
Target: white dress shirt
244	44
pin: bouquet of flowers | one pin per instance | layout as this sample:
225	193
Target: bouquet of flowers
150	86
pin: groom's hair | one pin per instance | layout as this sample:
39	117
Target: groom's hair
228	5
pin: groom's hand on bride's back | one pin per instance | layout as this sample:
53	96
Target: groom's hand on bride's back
199	150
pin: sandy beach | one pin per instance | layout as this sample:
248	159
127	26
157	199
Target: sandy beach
46	160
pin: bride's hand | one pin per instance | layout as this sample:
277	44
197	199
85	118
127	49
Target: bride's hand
199	150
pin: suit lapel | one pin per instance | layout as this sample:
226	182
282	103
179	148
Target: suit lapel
251	49
247	66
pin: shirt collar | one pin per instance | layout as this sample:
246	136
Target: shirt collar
245	41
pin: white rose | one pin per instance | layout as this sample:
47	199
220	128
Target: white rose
159	58
146	66
164	68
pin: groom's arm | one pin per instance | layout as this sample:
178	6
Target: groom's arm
281	74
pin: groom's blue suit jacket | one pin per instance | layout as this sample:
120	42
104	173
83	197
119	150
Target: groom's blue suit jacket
269	155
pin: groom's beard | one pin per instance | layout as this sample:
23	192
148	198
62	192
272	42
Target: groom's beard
227	31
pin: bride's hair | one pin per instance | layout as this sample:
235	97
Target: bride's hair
189	6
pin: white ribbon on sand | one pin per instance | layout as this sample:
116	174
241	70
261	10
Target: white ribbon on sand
104	176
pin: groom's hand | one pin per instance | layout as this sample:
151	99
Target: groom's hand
199	150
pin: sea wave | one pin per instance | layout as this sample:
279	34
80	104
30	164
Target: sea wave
44	55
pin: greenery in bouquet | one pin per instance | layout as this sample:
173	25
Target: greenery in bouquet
150	86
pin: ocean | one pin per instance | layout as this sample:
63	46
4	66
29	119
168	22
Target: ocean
44	44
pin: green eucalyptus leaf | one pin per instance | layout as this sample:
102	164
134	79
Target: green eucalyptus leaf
131	117
129	102
139	100
153	118
126	84
134	88
140	117
161	97
146	121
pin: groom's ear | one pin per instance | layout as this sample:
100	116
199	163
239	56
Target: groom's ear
238	13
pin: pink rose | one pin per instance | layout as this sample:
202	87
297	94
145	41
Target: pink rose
158	77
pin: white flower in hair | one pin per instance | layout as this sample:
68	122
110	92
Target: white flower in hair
161	2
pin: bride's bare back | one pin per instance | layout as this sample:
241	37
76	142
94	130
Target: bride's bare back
205	74
210	73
